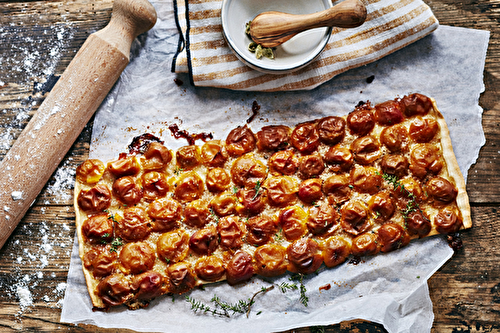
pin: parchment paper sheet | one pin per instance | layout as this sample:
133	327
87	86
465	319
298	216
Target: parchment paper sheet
390	289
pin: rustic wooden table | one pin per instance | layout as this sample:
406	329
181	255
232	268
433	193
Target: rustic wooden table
38	40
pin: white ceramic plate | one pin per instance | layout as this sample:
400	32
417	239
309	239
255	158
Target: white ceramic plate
291	55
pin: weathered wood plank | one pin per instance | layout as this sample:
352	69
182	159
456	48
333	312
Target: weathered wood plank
465	292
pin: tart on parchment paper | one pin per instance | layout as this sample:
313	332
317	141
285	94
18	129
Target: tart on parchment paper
155	221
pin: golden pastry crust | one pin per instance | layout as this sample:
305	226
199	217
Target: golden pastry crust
154	221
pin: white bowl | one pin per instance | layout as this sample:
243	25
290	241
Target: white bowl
290	56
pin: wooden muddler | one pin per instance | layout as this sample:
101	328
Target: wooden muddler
62	116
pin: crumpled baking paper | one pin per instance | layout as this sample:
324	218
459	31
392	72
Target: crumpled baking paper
390	289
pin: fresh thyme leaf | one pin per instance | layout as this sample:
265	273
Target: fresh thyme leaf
216	218
113	218
257	189
284	287
115	243
411	205
199	306
303	297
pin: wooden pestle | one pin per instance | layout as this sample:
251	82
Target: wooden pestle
273	28
62	116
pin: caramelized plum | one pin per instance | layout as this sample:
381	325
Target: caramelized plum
281	191
189	187
335	251
223	204
239	268
441	190
339	158
416	104
310	190
173	246
418	223
270	260
165	214
304	255
101	262
231	231
337	189
366	179
382	206
253	201
354	218
360	121
127	191
284	162
305	137
126	166
137	257
260	230
196	213
98	228
213	153
134	226
148	285
155	185
331	130
90	171
188	157
425	158
311	166
389	113
321	218
218	180
247	171
209	268
114	290
365	150
156	157
447	221
94	200
395	138
395	164
392	236
273	137
204	241
365	245
240	140
293	222
423	130
182	277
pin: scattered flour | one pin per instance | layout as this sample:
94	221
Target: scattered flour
24	295
30	65
16	195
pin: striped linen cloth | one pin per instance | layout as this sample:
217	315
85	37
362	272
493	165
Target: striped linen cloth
203	53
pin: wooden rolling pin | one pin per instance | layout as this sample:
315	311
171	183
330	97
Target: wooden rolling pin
273	28
51	132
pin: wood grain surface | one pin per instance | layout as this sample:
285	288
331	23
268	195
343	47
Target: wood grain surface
38	39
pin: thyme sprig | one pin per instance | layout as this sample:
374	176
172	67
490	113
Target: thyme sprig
411	205
303	297
215	217
257	189
225	309
284	287
115	242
